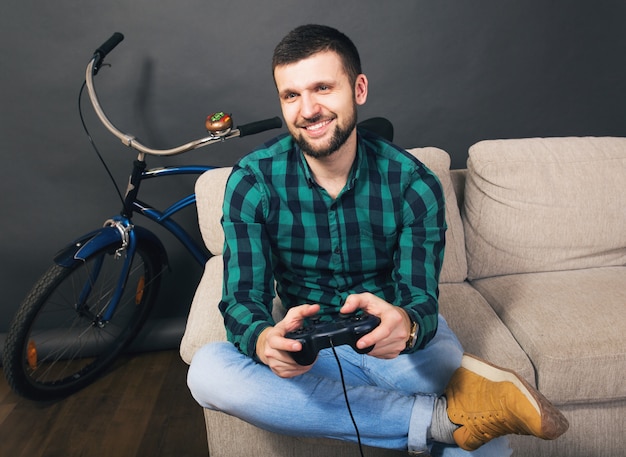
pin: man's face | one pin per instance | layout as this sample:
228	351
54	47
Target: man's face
319	102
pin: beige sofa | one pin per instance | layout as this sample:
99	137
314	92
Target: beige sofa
534	279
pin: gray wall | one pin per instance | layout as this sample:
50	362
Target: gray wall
447	73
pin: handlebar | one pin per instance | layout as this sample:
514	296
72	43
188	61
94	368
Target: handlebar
106	47
128	140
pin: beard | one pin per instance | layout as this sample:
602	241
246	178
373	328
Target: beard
339	137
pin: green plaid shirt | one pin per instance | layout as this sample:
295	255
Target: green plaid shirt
384	234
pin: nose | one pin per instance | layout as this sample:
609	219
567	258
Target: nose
309	107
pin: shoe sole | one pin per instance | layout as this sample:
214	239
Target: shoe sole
553	423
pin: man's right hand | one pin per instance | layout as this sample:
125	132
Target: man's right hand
273	349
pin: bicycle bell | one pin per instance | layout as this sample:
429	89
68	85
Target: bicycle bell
219	124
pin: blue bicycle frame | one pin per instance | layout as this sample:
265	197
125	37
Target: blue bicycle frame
119	233
198	252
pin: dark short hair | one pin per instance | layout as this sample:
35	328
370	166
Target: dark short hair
306	40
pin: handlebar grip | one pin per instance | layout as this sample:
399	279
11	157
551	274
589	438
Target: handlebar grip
109	45
260	126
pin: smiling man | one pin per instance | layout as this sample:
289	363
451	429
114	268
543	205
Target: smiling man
319	103
291	210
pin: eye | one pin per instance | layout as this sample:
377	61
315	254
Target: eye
288	96
323	88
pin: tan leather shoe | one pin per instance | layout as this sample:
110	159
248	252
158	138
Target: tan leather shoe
487	402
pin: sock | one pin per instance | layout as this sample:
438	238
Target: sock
441	428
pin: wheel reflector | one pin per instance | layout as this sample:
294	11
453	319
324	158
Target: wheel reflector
141	284
31	355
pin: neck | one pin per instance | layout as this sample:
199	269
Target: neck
331	172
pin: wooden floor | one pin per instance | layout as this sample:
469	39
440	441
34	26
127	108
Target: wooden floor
142	408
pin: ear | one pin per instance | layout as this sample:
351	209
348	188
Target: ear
360	89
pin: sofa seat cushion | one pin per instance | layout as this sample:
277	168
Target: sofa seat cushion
480	330
572	326
545	204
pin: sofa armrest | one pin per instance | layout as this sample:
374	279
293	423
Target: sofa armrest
205	323
458	183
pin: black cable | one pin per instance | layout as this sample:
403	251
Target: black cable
93	143
345	394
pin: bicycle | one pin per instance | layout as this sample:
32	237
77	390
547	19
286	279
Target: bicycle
93	300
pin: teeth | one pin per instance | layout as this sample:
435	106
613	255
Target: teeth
317	126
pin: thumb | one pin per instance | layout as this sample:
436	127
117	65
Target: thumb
352	303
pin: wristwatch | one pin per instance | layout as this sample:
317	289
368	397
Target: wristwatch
412	336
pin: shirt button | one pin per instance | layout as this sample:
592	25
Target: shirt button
337	250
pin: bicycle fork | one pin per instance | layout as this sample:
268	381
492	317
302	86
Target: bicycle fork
118	234
125	251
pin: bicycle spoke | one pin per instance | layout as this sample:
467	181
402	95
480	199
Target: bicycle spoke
67	341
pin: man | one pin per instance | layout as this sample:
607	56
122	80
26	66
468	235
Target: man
341	220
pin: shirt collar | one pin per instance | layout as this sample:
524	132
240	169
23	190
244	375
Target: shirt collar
355	171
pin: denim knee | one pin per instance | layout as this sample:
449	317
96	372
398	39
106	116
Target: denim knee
202	380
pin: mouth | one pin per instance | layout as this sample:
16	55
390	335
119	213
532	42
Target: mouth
318	128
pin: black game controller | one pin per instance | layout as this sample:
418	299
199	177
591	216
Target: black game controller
344	329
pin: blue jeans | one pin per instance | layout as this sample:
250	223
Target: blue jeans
391	400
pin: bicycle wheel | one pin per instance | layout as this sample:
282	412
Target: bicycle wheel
58	342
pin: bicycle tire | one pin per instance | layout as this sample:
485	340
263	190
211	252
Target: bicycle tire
54	349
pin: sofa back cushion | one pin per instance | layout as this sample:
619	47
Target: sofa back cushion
545	204
210	197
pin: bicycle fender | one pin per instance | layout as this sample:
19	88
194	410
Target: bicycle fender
105	238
